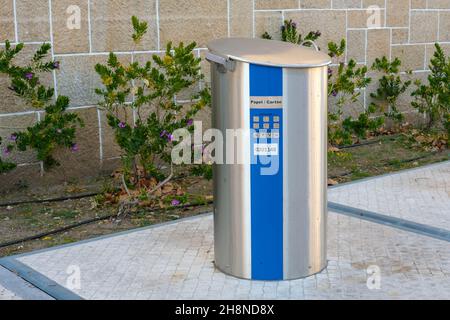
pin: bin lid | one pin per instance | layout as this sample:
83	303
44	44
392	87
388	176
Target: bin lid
269	53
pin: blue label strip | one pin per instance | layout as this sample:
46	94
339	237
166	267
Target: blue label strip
267	178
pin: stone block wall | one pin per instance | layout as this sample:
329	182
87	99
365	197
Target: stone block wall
407	29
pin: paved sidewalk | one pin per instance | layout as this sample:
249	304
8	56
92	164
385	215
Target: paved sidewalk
420	195
14	288
175	260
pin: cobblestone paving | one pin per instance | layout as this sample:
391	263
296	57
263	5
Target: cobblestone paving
14	288
420	195
176	261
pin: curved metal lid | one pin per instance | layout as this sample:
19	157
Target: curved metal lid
268	52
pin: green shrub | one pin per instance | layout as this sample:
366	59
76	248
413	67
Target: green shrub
289	33
6	166
346	86
433	99
391	86
58	127
266	36
349	80
153	87
364	124
203	170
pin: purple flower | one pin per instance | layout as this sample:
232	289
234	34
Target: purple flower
330	71
163	133
56	65
166	134
6	151
13	137
175	202
74	147
190	122
29	75
122	125
334	93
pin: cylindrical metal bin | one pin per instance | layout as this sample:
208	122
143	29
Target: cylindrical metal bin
270	210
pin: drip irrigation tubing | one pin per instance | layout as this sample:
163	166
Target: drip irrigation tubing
367	143
58	199
89	221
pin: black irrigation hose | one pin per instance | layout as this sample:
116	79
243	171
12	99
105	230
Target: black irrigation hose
366	143
89	221
45	234
58	199
63	198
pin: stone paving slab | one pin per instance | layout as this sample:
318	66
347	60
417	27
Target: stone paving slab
14	288
175	261
420	195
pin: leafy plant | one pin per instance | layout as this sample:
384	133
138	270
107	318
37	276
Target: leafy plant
153	87
203	170
346	86
433	99
364	124
58	127
391	86
140	29
289	33
337	50
349	80
6	166
266	36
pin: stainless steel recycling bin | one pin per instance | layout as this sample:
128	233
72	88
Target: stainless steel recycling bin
270	211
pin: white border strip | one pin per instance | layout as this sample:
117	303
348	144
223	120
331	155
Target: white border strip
16	25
